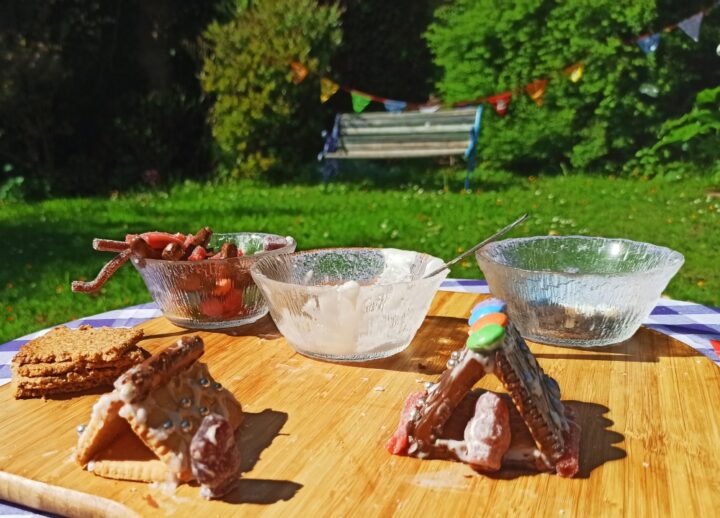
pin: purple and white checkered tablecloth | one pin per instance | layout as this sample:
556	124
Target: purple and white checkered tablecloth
693	324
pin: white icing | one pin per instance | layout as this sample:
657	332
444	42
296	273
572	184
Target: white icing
212	434
102	405
91	465
357	318
520	454
125	391
168	487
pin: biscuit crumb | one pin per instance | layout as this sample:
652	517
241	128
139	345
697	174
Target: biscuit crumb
151	501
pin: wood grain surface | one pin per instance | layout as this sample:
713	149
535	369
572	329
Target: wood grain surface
312	443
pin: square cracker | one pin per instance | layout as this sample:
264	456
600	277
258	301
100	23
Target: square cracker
85	344
131	357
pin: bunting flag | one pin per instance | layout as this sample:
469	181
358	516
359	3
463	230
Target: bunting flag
575	72
394	106
691	26
650	43
299	72
500	102
327	89
359	101
536	90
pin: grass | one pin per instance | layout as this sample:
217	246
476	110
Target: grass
48	244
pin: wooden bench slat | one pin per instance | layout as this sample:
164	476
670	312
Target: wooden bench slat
416	123
430	137
404	145
397	153
408	116
394	130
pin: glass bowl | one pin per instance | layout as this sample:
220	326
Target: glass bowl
213	294
349	304
577	291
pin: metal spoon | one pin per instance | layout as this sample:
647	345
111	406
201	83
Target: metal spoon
492	238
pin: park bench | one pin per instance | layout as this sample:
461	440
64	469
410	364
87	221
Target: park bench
403	135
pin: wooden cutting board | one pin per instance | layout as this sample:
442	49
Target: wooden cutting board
313	439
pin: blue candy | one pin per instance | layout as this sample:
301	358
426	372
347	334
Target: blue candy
492	301
482	309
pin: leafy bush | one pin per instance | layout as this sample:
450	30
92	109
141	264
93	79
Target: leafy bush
261	121
689	141
485	47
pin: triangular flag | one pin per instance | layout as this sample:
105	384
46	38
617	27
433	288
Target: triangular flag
500	102
649	43
359	101
536	90
299	72
327	89
394	106
575	72
691	26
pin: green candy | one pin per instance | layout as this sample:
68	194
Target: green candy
484	338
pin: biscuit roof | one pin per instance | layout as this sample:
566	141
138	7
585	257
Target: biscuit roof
163	400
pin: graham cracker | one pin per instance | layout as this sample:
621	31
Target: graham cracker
69	382
129	358
85	344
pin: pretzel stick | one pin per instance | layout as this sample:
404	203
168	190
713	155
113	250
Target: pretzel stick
108	245
107	270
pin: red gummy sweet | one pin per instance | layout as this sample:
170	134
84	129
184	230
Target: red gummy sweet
274	243
487	434
157	240
569	464
214	456
233	303
399	442
212	308
198	254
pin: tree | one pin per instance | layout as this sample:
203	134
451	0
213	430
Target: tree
486	47
260	120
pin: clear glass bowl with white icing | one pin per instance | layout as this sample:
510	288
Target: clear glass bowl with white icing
349	304
578	290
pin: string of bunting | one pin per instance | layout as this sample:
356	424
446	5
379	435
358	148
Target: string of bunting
648	43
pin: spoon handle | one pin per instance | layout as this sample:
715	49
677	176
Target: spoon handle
490	239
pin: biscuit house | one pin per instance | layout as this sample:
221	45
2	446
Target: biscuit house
167	420
527	428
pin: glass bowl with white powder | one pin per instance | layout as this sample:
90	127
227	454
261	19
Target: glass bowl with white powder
349	304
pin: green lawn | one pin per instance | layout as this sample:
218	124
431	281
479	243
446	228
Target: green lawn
49	244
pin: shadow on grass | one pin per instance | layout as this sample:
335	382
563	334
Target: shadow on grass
431	174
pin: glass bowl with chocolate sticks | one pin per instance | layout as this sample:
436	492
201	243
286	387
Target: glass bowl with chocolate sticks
199	281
